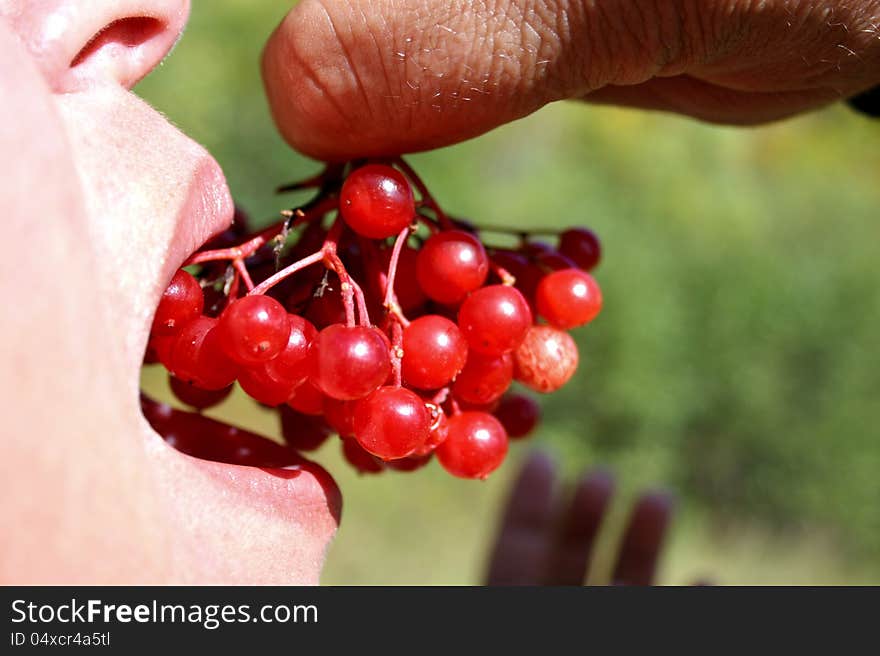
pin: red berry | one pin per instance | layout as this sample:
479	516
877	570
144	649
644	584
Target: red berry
434	351
159	350
261	386
410	463
439	430
302	432
546	359
484	378
254	329
196	397
519	414
376	201
307	399
494	319
475	446
450	265
569	298
363	461
340	416
292	364
535	248
391	423
582	246
327	309
181	302
197	356
349	362
552	260
527	283
512	262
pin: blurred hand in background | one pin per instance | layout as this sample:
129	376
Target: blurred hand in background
547	538
356	78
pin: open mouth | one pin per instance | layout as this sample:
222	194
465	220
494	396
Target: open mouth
260	481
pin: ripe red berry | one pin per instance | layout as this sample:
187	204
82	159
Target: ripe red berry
159	350
307	399
292	364
450	265
261	386
568	298
391	423
349	362
376	201
438	432
409	464
326	309
582	246
552	260
363	461
181	302
434	351
254	329
340	416
546	359
519	414
302	432
198	357
196	397
511	261
484	378
494	319
474	447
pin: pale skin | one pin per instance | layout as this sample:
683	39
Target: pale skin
103	199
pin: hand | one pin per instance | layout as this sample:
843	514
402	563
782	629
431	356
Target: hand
544	541
352	78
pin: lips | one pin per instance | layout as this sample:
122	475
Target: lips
242	494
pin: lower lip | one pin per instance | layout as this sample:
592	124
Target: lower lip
268	521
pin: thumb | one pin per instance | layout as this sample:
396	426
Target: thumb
378	77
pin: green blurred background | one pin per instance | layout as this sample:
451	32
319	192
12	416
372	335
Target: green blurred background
736	361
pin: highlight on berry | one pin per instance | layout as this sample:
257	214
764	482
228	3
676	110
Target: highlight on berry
372	314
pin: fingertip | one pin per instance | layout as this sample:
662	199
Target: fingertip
540	460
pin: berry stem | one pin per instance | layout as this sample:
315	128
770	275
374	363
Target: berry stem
241	270
273	280
426	198
351	291
507	278
396	352
390	302
239	252
440	397
522	233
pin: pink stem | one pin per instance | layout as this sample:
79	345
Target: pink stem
396	352
241	269
427	198
390	294
273	280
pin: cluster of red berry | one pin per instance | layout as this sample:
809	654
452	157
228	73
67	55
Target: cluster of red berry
382	319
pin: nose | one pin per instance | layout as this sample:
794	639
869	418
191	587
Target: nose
82	43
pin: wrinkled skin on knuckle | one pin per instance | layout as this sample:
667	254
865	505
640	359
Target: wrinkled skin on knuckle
828	47
629	41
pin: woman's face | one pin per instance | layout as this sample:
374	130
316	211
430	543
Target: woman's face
102	201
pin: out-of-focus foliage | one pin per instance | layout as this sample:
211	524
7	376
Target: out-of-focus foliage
737	358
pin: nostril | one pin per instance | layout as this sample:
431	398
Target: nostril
123	34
